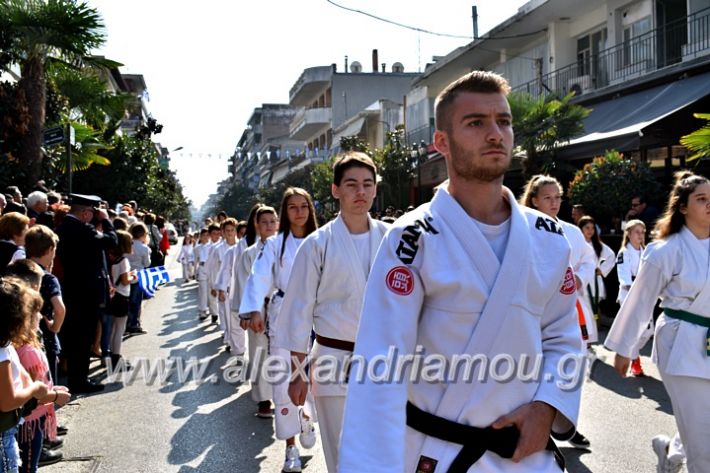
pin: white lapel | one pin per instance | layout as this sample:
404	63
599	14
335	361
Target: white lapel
346	247
698	251
495	310
376	235
479	251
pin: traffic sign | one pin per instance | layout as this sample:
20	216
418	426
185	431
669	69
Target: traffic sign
54	135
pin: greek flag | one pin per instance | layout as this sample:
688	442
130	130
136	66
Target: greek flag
150	278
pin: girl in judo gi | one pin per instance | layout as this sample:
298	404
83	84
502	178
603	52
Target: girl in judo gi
676	268
268	279
595	292
544	193
627	267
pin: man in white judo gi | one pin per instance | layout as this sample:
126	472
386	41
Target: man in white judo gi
470	273
325	292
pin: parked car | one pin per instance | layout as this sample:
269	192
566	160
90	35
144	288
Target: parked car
172	233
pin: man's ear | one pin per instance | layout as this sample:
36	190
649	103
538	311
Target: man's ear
335	191
441	142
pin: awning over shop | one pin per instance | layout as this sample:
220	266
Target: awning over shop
351	129
619	123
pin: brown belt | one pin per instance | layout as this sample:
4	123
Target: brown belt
335	343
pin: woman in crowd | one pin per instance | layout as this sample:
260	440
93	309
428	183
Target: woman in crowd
121	278
676	268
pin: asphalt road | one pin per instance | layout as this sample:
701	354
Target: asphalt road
184	426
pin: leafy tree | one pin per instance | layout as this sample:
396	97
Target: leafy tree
606	185
134	173
38	29
237	199
698	141
542	125
321	181
396	169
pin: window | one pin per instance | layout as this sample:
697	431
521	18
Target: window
637	44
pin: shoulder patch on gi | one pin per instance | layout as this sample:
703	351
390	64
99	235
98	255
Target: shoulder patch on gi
409	242
426	465
400	280
548	225
620	258
569	285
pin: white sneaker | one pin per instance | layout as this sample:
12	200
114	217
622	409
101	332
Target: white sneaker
660	445
307	437
293	460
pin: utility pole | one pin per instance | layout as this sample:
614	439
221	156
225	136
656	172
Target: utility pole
474	16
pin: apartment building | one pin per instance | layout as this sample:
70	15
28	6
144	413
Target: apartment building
326	99
643	67
264	143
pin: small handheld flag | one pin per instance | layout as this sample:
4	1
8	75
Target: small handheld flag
150	278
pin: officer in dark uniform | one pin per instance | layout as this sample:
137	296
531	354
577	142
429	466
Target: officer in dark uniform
85	282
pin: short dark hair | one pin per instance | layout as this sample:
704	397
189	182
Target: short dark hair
39	240
229	221
482	82
213	227
222	213
138	230
352	159
25	270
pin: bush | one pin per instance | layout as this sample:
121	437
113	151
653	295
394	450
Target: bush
606	186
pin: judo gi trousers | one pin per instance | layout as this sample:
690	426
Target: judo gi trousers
690	398
258	352
286	420
212	302
330	411
202	292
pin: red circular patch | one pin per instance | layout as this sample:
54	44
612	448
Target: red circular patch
569	285
400	280
284	411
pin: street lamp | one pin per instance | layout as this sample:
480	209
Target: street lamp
419	153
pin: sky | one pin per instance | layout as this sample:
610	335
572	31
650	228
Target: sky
208	64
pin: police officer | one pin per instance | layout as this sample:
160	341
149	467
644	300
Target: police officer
85	282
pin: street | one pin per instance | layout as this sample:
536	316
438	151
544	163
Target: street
184	426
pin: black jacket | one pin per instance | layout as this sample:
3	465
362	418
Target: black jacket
81	252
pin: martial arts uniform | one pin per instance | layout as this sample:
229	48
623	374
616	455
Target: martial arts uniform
628	262
438	284
325	294
214	260
214	267
261	390
268	280
584	263
677	270
187	259
202	252
233	336
595	291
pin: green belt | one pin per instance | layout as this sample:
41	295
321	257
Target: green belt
693	319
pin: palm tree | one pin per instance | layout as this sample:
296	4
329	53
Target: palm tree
66	30
542	125
698	141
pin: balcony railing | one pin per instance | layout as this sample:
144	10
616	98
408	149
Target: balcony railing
309	121
676	41
423	133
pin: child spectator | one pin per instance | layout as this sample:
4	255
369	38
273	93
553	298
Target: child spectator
139	259
41	423
13	227
16	387
41	246
121	279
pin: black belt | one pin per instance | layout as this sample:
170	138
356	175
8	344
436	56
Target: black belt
475	440
279	293
335	343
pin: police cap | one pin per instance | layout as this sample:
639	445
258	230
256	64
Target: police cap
84	200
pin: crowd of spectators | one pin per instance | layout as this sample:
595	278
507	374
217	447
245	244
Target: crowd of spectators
68	292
